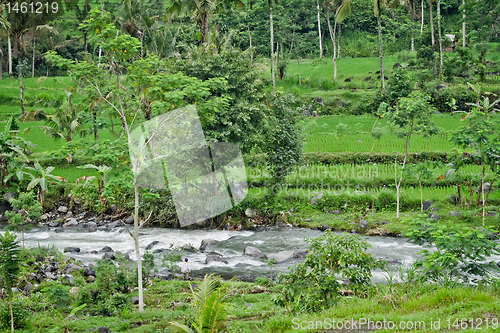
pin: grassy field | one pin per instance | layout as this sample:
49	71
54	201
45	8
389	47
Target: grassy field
251	309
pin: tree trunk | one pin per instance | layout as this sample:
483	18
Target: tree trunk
413	19
340	35
421	196
10	55
94	120
298	66
33	59
488	193
250	38
137	250
422	18
1	64
11	314
432	22
463	25
398	184
482	186
319	31
439	37
332	36
380	52
20	72
459	192
272	41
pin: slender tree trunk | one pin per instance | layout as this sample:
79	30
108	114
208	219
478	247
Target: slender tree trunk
137	250
250	38
380	52
94	120
319	31
20	72
488	192
421	196
1	64
439	37
332	36
298	66
422	17
11	314
482	187
398	184
290	52
459	192
340	36
272	41
413	19
33	59
463	25
432	22
10	55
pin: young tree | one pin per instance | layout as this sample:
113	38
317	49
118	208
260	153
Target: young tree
483	136
41	179
422	171
9	266
125	92
29	208
414	115
341	12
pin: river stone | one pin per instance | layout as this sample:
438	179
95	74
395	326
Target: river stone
107	249
363	223
103	329
247	304
69	279
89	271
28	286
163	275
206	243
130	220
455	213
53	224
92	226
324	227
188	248
113	208
62	209
254	252
282	256
427	204
68	215
433	216
74	291
215	257
335	211
242	265
123	255
152	244
9	195
315	198
71	222
49	275
113	225
498	264
30	277
162	251
90	279
134	300
453	199
44	216
109	255
300	253
250	212
71	249
69	268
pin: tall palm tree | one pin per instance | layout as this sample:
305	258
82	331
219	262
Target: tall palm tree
270	4
376	11
341	10
319	31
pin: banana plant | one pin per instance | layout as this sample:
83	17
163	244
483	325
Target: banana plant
100	178
40	179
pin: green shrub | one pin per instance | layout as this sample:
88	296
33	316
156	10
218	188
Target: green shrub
312	284
20	311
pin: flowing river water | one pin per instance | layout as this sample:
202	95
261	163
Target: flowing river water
231	247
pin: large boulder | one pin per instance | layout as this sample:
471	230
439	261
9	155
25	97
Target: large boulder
134	300
250	212
130	220
89	271
427	204
71	249
69	268
163	275
107	249
455	213
363	223
92	226
206	243
215	257
62	209
433	216
254	252
113	225
152	244
113	208
282	256
315	198
72	222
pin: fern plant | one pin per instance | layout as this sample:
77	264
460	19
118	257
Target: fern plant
208	305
